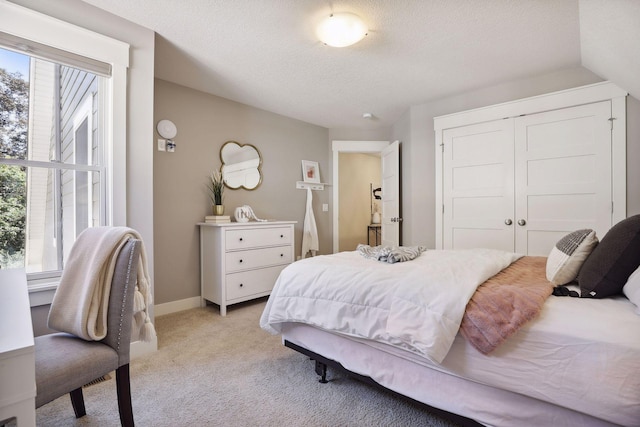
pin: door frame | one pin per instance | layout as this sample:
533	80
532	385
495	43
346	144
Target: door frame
338	147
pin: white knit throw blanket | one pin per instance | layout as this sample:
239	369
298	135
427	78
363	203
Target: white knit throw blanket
81	301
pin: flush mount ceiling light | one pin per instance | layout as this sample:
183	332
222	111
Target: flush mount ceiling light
341	29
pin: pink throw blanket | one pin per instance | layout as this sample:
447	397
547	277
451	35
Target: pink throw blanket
505	302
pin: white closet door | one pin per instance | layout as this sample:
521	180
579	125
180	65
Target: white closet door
478	186
563	175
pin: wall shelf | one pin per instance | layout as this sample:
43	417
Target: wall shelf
301	185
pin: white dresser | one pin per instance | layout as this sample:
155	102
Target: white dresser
241	261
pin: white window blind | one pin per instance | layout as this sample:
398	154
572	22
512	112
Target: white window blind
39	50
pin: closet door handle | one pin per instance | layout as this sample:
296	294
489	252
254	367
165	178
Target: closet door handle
508	221
522	222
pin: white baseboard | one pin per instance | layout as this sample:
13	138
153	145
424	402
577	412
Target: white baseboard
175	306
141	348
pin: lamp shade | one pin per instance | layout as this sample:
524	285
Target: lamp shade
341	29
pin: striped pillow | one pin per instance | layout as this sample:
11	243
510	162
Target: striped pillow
568	255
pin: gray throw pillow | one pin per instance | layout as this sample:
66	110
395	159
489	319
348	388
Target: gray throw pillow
607	269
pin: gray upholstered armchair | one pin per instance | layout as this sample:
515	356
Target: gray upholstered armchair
64	363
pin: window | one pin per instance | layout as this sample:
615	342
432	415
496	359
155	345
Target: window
62	145
51	152
82	141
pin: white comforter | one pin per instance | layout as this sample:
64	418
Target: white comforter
415	305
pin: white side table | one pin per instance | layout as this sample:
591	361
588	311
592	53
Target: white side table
17	351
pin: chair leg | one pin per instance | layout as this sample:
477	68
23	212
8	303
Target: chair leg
77	401
124	396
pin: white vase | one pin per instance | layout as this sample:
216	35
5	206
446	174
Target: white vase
241	214
376	218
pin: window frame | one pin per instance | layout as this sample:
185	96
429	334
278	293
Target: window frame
47	31
85	113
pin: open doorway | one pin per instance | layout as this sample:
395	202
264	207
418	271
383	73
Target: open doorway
359	207
370	148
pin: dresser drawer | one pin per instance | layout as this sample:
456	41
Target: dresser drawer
247	283
257	258
255	238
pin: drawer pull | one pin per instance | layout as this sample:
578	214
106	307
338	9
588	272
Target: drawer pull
281	236
241	285
240	261
241	239
281	255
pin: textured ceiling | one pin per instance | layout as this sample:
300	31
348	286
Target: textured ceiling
610	41
264	53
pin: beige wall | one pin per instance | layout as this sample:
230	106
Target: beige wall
360	134
357	172
204	123
633	156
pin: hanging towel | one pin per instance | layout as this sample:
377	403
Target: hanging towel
309	232
86	280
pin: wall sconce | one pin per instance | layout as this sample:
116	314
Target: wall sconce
168	131
341	29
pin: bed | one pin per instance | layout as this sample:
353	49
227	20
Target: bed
573	362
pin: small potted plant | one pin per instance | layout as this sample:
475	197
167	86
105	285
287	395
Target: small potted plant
216	189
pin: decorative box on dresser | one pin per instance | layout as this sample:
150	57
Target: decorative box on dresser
241	261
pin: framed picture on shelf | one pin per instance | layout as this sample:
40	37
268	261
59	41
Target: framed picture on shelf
310	171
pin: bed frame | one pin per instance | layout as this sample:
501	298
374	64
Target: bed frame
467	402
321	364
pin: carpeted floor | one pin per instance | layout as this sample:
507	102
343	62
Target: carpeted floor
226	371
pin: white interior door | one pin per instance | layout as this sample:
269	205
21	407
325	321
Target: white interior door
478	191
563	175
391	220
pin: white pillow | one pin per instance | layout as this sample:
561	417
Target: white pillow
568	255
631	289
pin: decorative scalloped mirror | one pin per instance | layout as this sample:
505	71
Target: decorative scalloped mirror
241	165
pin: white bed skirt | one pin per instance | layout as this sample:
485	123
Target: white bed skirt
487	405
